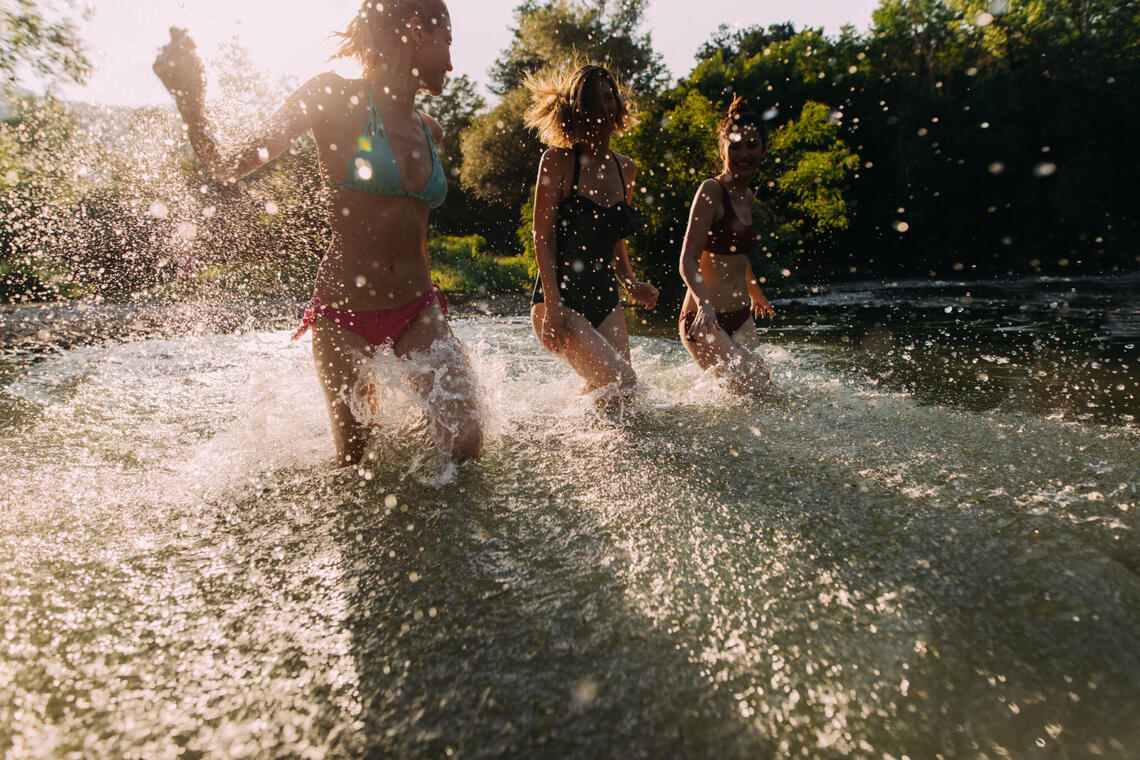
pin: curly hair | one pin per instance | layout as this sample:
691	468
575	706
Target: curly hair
739	116
373	31
564	104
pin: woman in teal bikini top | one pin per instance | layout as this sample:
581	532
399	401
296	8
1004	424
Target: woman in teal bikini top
375	272
373	168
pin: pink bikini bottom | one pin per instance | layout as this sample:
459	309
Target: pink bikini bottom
377	327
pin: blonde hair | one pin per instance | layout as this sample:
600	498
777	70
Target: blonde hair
564	103
373	31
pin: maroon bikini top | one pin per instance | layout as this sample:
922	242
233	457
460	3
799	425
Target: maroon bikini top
730	236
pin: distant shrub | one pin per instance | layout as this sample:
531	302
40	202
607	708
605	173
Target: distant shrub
464	264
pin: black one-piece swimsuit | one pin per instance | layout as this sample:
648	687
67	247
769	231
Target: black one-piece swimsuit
586	236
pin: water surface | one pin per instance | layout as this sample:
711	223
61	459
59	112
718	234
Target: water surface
882	562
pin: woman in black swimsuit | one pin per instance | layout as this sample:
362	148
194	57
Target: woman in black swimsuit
582	214
716	317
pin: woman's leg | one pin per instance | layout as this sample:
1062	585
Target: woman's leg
339	355
730	359
449	378
591	353
613	329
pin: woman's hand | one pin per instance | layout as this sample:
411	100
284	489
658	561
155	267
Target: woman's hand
644	293
180	68
554	328
760	305
704	322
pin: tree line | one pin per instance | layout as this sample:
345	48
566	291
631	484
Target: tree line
953	138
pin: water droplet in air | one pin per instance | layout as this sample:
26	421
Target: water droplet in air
1045	169
271	207
158	210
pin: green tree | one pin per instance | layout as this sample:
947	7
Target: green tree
456	109
604	31
500	155
46	42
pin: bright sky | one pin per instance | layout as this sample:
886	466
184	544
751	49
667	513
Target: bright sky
123	36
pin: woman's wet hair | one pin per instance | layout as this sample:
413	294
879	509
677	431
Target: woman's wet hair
739	116
382	24
564	104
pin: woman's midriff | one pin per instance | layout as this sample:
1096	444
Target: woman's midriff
726	280
384	266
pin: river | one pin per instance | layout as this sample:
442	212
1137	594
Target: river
924	547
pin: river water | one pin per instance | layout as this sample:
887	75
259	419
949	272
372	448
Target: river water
925	547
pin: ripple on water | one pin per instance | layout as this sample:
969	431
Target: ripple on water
842	571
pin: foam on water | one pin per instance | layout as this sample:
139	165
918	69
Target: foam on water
839	571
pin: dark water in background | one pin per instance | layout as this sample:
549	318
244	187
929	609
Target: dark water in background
1047	346
927	547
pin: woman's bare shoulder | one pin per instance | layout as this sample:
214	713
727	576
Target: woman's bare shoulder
432	125
557	158
628	165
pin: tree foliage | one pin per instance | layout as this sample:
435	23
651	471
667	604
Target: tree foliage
956	136
38	35
500	154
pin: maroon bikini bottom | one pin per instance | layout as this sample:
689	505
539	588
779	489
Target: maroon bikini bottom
730	321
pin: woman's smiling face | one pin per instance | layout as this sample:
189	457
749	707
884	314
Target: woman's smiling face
742	150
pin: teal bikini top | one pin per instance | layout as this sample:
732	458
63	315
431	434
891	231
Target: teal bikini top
373	168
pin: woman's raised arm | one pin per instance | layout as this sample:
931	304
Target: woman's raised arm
181	71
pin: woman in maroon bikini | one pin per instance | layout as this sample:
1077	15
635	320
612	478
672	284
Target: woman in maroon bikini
716	317
377	154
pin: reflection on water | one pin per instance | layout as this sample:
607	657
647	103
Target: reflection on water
1047	346
867	567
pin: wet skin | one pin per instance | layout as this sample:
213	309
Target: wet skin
599	355
377	258
724	284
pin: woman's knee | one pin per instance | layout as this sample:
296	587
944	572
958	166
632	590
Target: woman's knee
626	378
